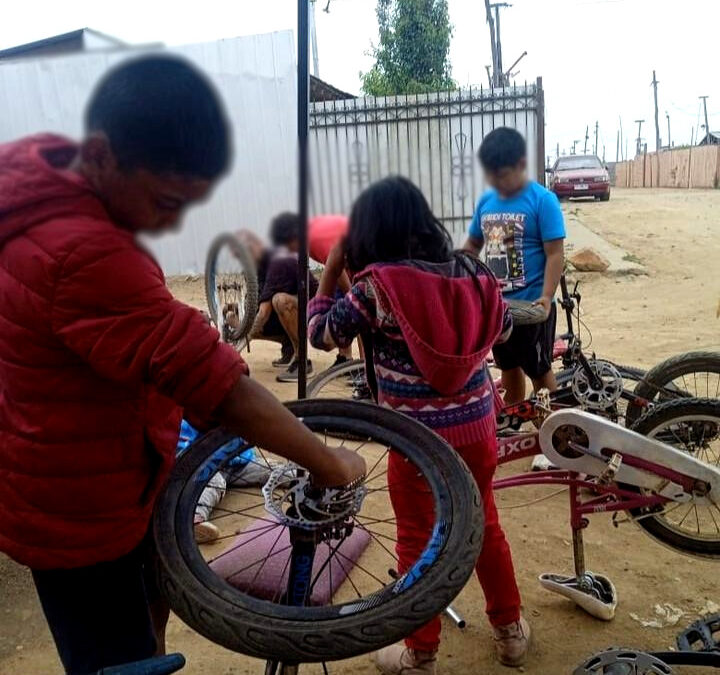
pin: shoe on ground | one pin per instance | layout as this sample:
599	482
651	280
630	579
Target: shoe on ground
253	474
542	463
291	374
287	354
205	532
401	660
512	642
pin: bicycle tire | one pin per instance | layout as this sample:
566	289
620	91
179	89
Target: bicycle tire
526	313
654	385
677	409
323	378
248	266
310	634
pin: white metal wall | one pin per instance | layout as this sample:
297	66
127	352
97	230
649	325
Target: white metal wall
256	77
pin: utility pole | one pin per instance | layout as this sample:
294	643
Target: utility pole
497	7
557	150
707	124
617	147
667	115
657	123
596	137
313	38
493	41
638	147
499	79
572	152
587	136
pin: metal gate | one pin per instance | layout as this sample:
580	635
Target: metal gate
430	138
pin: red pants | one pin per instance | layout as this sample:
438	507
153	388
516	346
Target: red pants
414	512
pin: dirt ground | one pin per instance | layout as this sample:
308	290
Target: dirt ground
634	320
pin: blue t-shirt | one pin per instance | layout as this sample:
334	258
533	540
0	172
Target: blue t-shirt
513	232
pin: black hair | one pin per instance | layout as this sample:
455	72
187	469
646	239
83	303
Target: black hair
391	221
161	113
284	229
502	148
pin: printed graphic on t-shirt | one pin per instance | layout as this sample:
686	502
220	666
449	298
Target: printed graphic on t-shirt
503	234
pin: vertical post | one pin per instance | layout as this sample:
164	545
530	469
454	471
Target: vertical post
587	136
657	123
667	115
313	39
303	104
707	124
597	124
617	148
497	40
638	147
557	150
540	131
493	45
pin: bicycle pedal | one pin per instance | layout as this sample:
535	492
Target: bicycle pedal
701	635
613	466
595	593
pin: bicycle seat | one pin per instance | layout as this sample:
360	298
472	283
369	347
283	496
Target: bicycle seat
158	665
525	312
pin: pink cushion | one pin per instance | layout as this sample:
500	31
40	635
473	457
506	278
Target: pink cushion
242	566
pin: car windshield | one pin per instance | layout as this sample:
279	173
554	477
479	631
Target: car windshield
572	163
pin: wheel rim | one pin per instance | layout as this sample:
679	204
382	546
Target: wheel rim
342	382
701	384
367	584
228	281
698	435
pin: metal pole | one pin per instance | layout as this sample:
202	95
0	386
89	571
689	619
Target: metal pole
667	115
497	41
638	148
303	104
540	131
313	39
493	45
587	135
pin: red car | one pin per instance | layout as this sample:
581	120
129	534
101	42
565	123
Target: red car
580	176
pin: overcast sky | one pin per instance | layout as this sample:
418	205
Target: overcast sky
595	56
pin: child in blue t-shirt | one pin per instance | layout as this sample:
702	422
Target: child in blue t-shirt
519	227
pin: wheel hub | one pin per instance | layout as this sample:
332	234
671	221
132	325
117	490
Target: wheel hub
294	501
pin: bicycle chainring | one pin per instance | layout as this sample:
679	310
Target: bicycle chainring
623	662
599	395
294	501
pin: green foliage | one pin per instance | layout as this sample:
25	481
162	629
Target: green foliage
412	56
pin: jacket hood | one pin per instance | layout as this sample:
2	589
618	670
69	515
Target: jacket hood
450	323
36	185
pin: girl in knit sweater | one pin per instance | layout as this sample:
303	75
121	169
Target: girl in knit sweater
433	316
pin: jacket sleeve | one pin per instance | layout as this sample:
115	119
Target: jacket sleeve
112	309
336	323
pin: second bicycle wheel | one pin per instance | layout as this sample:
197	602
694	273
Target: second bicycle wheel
236	590
231	287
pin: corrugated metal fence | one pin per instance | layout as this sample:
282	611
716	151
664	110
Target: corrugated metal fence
256	77
432	139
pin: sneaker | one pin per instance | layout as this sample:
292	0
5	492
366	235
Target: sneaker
542	463
291	374
205	532
253	474
512	642
401	660
339	360
287	354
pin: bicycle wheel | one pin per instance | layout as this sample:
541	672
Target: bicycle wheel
226	591
231	285
345	380
691	375
693	426
525	312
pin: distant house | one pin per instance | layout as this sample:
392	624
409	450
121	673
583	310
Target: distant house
711	138
81	40
322	91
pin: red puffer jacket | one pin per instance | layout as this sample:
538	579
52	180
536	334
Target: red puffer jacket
96	360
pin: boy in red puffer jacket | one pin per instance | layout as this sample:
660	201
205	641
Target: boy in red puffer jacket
98	360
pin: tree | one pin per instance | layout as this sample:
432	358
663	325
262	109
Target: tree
412	56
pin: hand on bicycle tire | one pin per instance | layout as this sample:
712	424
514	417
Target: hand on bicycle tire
343	468
545	302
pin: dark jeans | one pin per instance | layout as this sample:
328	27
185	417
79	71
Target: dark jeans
99	615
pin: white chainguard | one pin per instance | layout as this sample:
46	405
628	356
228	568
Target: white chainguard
601	606
605	435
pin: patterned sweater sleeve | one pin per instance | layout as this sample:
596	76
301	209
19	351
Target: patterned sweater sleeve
336	323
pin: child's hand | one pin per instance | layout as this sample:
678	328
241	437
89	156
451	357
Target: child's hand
343	466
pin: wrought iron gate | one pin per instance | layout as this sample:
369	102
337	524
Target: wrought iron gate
430	138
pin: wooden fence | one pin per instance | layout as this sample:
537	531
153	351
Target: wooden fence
696	167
